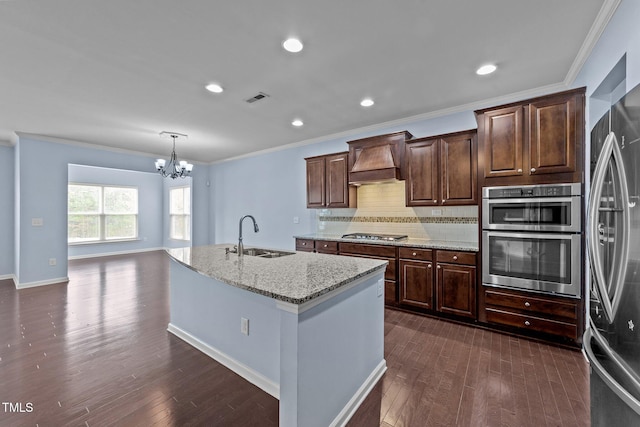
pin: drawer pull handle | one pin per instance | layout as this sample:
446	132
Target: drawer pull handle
455	257
414	254
527	323
527	304
304	243
326	245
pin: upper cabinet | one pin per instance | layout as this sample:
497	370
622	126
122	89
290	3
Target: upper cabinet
535	141
327	185
441	170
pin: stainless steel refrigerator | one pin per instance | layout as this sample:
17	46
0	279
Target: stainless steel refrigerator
612	339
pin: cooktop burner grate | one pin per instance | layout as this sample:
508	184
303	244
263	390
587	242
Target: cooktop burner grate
369	236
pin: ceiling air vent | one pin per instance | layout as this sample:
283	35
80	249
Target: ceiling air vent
258	97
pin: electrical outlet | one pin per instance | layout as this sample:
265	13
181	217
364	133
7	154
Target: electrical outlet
37	222
52	261
436	212
380	287
244	326
296	220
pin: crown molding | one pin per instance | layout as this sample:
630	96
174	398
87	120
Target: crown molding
605	14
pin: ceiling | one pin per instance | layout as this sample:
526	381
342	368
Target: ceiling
117	73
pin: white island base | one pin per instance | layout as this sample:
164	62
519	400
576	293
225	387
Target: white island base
320	358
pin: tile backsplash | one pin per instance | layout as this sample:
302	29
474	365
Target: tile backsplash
381	209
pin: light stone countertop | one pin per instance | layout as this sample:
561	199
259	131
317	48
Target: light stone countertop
412	242
296	278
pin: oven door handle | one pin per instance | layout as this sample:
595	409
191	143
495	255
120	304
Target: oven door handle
610	293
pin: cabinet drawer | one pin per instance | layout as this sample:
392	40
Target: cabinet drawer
305	245
532	323
325	246
415	253
364	249
457	257
533	304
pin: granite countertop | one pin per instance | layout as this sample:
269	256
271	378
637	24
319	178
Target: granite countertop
413	242
296	278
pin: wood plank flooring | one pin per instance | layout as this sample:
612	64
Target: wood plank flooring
95	352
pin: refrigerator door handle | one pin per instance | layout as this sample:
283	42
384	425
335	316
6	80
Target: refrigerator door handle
610	293
619	390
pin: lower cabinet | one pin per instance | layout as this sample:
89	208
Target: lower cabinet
525	311
449	288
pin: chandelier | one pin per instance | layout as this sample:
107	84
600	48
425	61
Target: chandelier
173	169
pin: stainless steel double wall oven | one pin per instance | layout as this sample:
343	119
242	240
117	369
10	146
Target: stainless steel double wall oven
531	238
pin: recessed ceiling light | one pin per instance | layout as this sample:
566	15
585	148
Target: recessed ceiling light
486	69
214	87
297	122
367	102
292	45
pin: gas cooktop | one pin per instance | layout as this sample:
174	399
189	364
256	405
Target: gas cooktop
369	236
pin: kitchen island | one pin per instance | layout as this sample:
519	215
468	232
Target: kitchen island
306	328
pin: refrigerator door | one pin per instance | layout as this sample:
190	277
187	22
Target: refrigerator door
615	389
609	228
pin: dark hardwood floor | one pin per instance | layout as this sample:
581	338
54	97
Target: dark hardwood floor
96	352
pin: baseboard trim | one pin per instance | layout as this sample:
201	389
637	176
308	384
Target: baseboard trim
40	283
103	254
241	369
360	395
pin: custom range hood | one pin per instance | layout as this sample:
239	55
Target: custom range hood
377	159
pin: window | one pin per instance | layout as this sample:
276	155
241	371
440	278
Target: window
180	213
99	213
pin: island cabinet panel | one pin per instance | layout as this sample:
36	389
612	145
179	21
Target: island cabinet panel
385	253
327	182
539	140
442	170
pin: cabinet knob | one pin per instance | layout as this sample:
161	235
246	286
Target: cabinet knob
527	323
527	304
325	245
414	254
429	266
519	170
533	170
304	243
455	257
438	267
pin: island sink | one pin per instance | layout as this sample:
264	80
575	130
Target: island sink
265	253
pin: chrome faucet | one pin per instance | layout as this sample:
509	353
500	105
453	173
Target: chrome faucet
255	228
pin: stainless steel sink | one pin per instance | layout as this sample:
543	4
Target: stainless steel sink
265	253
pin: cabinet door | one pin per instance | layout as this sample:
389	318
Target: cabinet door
416	283
552	147
502	141
337	193
316	182
456	285
458	160
422	173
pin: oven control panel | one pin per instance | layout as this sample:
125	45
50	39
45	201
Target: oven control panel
550	190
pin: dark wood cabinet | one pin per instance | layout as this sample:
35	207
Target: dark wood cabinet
416	278
382	252
448	288
456	283
327	185
530	312
442	170
535	141
319	246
